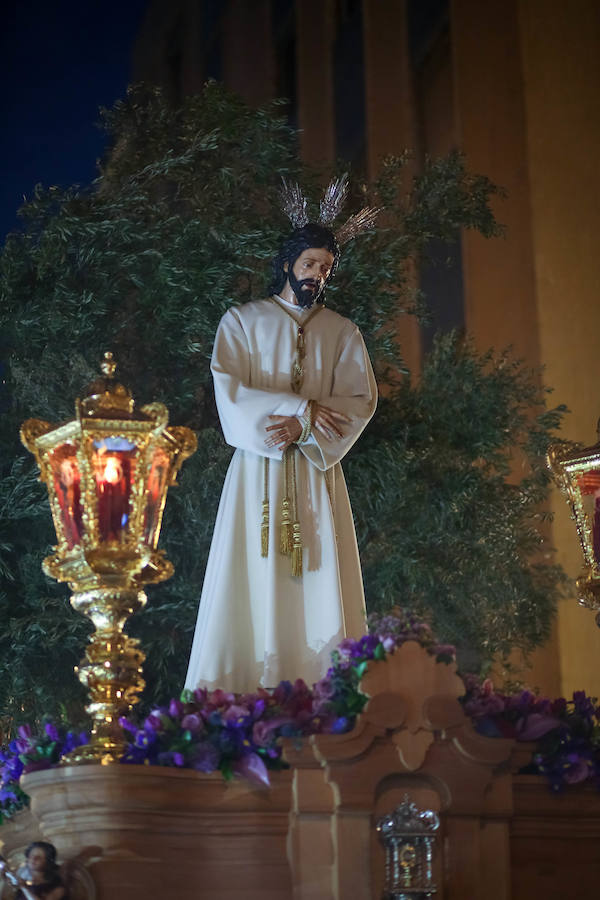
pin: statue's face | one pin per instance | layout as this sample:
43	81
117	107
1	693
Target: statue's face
309	274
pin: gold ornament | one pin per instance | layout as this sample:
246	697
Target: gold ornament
107	473
576	470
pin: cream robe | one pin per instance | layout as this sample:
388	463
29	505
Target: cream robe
257	624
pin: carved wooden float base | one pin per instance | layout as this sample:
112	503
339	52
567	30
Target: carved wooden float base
149	832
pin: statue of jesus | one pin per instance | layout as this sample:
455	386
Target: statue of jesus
294	389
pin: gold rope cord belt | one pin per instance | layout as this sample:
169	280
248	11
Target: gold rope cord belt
290	538
298	367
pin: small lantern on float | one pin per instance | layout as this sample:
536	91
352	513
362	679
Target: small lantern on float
576	470
107	474
408	836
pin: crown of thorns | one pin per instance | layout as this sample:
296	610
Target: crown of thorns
293	203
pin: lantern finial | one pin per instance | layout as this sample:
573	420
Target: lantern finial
108	365
105	396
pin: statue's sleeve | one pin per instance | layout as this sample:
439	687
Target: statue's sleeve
354	393
244	410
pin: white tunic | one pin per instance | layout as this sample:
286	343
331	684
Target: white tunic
258	624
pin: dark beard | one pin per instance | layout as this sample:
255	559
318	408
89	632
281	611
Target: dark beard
305	298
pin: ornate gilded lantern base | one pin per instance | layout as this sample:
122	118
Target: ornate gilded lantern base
111	669
107	474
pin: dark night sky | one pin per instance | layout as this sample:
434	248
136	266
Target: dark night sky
62	60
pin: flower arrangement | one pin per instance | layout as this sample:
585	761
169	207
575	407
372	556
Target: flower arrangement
237	734
567	732
29	752
240	734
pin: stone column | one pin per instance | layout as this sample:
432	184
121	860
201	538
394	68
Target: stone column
248	58
491	127
390	114
314	50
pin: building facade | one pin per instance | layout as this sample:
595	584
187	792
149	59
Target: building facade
514	84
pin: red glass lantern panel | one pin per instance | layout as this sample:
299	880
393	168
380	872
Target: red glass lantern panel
155	494
589	485
114	469
66	478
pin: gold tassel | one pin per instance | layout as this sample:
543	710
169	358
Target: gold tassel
296	536
297	551
264	530
264	527
285	531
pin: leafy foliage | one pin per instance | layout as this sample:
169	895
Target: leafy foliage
447	493
181	222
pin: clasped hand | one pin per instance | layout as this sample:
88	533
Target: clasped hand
286	430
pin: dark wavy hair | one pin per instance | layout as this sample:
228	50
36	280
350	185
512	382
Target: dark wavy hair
49	852
309	237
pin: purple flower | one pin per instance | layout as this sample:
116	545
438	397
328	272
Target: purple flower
126	725
485	705
535	726
340	725
154	721
14	769
282	692
192	722
263	731
175	709
52	731
252	767
144	738
324	689
521	702
367	645
170	758
24	732
583	705
578	771
71	742
256	703
206	757
200	696
220	698
236	715
347	648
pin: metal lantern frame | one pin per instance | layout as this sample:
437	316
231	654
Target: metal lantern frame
107	474
408	835
576	470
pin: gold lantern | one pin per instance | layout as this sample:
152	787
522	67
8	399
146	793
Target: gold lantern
577	472
107	474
